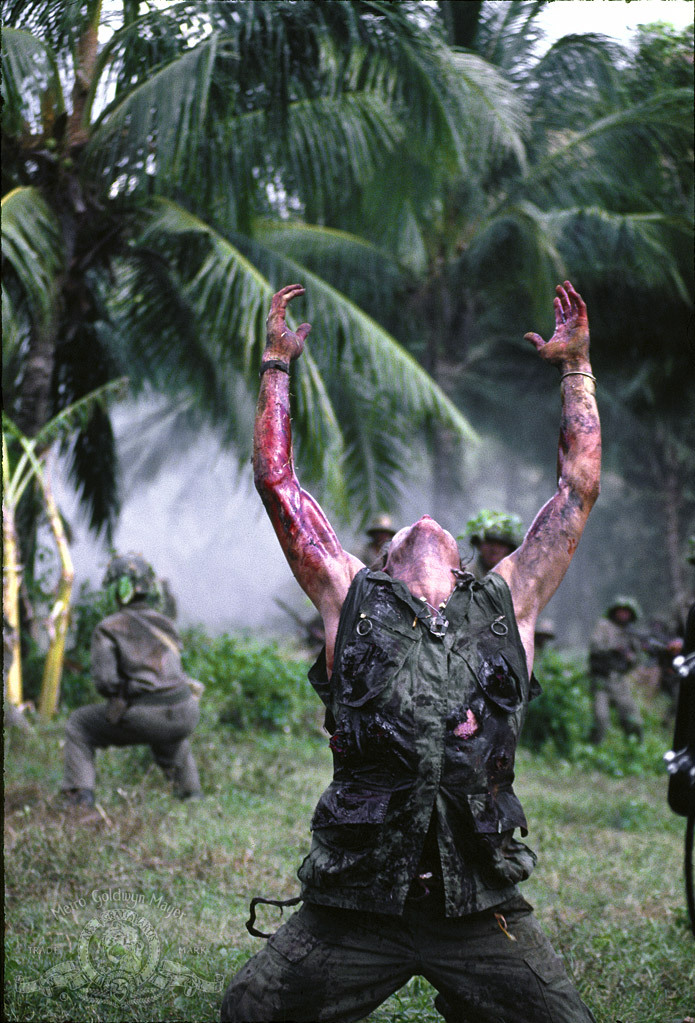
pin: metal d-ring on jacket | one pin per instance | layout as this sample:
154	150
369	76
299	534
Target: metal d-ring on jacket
424	732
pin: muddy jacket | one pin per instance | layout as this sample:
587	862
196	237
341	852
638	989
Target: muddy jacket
137	651
424	731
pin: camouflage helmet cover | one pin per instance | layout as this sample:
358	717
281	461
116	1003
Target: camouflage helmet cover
494	525
381	524
622	600
132	576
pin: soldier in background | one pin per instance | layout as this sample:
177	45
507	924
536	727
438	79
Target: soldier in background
494	535
380	532
613	653
136	665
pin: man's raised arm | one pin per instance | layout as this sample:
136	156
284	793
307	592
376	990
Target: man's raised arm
535	570
320	565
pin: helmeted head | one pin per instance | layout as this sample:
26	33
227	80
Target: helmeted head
131	577
544	632
380	530
494	534
623	610
545	628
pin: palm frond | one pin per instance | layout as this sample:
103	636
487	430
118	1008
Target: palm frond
156	127
593	158
32	246
576	80
230	298
492	115
229	285
69	419
31	90
519	233
507	33
349	344
60	25
639	244
350	263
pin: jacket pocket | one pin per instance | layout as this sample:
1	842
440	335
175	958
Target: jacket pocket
371	657
499	682
493	815
349	805
501	857
346	837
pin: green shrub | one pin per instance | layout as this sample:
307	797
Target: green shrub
622	755
559	722
560	718
255	685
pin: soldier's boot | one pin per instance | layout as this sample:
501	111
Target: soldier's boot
78	797
178	764
186	779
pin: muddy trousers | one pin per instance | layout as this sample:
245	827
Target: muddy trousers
163	728
339	965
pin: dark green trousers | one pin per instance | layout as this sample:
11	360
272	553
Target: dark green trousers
163	728
339	965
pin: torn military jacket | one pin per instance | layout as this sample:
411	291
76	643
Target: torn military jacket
424	732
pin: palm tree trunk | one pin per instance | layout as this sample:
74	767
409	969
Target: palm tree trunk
60	614
34	409
11	582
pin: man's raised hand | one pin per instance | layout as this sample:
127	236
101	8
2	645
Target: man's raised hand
569	345
281	342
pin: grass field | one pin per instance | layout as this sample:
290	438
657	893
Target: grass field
137	913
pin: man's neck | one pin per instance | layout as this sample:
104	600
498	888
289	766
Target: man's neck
434	583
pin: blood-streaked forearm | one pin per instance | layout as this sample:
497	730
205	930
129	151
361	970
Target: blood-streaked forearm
319	563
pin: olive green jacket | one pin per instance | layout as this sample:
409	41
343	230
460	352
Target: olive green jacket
424	730
613	649
136	651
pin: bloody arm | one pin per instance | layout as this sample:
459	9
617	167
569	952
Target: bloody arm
320	565
535	570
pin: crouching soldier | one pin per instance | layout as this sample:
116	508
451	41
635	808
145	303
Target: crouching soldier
136	665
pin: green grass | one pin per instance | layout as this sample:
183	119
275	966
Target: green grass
608	888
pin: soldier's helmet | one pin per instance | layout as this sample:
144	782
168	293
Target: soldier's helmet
131	576
381	524
494	525
627	602
545	627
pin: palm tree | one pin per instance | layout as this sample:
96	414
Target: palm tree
153	154
22	465
487	248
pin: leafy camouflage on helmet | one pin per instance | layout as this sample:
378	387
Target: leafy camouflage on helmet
131	577
494	525
624	601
